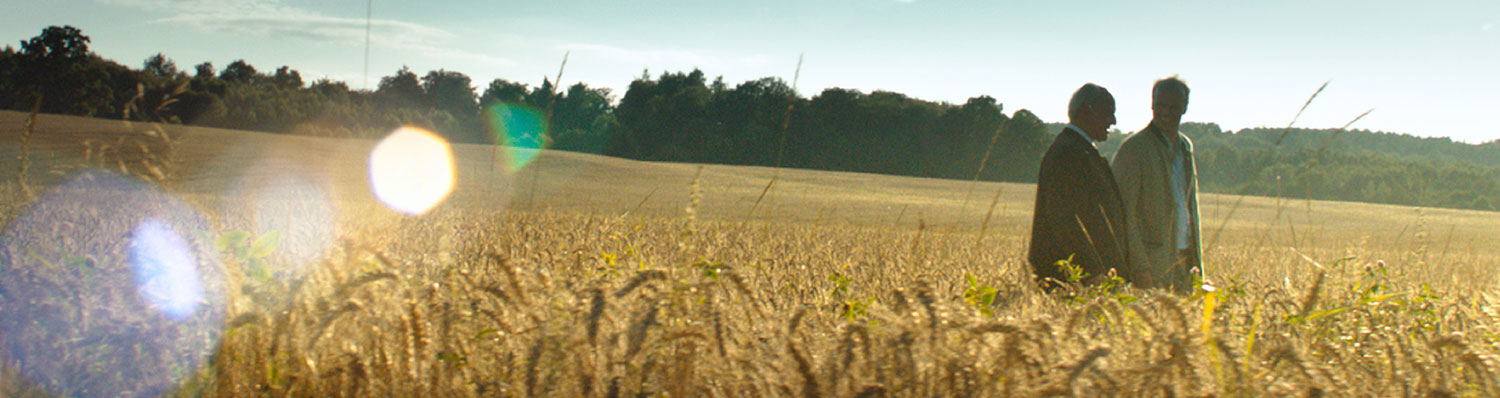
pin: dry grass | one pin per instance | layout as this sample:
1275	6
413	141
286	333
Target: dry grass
684	298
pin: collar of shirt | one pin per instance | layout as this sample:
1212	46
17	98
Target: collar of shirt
1081	134
1174	141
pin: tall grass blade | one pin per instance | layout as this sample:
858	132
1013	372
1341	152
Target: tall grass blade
786	121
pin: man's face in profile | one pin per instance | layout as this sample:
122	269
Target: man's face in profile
1101	116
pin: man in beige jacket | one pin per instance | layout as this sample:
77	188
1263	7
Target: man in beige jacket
1159	184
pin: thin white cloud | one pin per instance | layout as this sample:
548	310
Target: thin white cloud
314	28
200	6
267	18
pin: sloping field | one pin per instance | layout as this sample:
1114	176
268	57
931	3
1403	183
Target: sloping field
251	264
224	163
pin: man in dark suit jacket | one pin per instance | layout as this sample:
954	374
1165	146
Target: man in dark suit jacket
1079	213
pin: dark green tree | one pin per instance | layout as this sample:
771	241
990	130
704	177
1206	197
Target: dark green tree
582	119
239	71
159	66
400	90
157	96
501	91
9	77
57	44
823	135
541	96
453	93
57	68
450	91
664	119
747	120
286	77
1018	153
963	137
334	90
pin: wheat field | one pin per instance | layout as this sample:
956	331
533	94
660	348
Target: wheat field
580	275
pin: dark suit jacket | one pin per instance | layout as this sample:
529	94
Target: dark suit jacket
1078	212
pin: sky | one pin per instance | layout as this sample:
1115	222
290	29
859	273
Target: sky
1427	68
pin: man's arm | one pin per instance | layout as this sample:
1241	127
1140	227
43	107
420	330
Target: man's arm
1196	227
1072	216
1128	169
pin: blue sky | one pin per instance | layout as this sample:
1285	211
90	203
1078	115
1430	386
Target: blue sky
1428	68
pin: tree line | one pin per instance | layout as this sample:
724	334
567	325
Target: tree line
1354	165
686	117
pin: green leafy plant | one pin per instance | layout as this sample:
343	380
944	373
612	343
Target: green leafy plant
856	310
1073	273
250	253
840	285
980	296
710	268
852	309
1081	287
611	265
1367	290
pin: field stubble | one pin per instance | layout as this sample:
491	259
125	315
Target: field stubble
605	277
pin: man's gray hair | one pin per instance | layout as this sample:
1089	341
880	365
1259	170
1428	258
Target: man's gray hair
1169	84
1089	94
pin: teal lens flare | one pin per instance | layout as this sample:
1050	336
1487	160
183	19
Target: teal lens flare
520	130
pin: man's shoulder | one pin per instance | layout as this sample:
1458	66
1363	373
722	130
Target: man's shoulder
1060	143
1136	145
1140	139
1065	152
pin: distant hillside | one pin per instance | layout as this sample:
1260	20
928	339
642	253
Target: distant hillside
689	117
1353	165
1359	142
1356	165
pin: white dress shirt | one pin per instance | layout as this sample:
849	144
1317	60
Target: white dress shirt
1082	134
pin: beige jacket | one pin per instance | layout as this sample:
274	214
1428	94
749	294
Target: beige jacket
1143	168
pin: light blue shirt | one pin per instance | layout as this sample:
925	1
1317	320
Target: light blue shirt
1180	194
1082	134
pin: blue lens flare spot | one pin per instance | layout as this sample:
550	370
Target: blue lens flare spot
520	129
108	287
166	275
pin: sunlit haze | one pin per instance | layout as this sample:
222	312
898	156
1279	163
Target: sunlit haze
1427	68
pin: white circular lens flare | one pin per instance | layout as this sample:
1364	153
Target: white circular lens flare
411	170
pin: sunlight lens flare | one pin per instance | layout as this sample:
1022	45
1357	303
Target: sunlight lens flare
107	285
521	130
286	198
301	212
166	274
411	170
